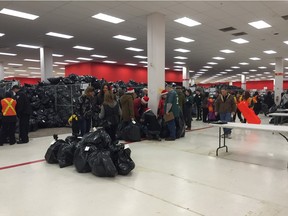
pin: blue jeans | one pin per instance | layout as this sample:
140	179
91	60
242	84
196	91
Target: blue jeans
85	125
172	128
226	117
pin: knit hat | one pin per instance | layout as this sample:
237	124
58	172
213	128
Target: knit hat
145	99
130	90
164	92
146	109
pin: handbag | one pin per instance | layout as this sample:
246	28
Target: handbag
168	117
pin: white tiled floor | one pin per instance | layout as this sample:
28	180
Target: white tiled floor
170	179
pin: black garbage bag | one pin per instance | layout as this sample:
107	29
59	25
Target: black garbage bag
54	80
33	125
164	128
72	140
81	156
52	151
99	138
65	154
131	132
123	162
102	164
73	77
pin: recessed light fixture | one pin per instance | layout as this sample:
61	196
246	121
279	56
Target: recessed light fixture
83	48
98	56
245	72
143	62
212	63
110	62
180	57
244	63
15	64
2	34
55	34
272	63
18	14
253	70
191	71
267	72
35	73
229	70
178	66
187	21
180	63
259	74
235	67
84	59
108	18
286	42
184	39
141	57
23	74
8	54
7	72
227	51
123	37
61	63
28	46
32	60
182	50
57	55
218	58
255	58
201	72
202	69
240	41
62	68
269	51
167	68
262	67
72	61
21	70
260	24
207	67
131	64
134	49
177	69
34	68
223	72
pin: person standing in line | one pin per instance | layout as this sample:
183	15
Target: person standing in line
205	107
140	104
198	101
160	110
23	110
181	97
238	99
83	110
249	100
225	106
126	102
188	108
111	112
9	119
171	105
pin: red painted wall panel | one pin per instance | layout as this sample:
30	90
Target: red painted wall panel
79	69
23	80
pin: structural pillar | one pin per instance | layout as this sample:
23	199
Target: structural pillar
278	84
1	71
243	81
156	58
46	63
185	77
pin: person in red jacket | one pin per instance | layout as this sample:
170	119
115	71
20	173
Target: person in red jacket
9	119
160	110
139	105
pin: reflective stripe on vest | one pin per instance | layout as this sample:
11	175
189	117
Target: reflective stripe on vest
9	108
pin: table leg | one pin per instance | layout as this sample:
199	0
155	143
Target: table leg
220	144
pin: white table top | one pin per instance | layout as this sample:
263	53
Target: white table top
265	127
278	114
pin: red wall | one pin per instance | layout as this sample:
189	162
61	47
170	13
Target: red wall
24	80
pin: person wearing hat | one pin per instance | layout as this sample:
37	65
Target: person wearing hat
139	105
9	119
23	110
188	108
126	102
150	125
160	110
145	91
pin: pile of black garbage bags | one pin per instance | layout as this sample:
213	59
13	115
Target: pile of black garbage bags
94	152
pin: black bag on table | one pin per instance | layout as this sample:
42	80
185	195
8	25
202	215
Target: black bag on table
81	156
52	151
123	162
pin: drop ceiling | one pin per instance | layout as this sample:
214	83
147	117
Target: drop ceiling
75	18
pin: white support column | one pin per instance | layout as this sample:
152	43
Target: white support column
243	82
185	77
46	63
192	82
1	71
156	58
278	84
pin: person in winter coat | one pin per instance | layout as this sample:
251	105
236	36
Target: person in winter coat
111	112
198	102
139	105
249	100
9	119
24	110
284	100
225	106
181	98
84	110
211	110
150	125
160	110
257	103
268	99
127	107
205	106
188	108
238	99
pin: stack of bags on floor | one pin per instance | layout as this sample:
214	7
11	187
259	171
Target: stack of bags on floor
93	153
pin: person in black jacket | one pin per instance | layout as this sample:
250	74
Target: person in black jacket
198	102
24	110
151	126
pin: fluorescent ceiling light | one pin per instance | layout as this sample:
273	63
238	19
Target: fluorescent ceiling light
23	74
270	76
235	67
143	62
272	63
62	68
229	70
177	69
212	63
98	56
131	64
178	66
167	68
2	34
57	55
123	37
259	74
286	42
83	48
260	24
55	34
240	41
28	46
32	60
184	39
182	50
61	63
84	59
21	70
60	73
35	73
245	72
9	72
253	70
7	54
223	72
203	69
227	51
207	67
134	49
267	72
187	21
141	57
180	63
244	63
110	62
72	61
262	67
18	14
14	64
108	18
191	71
34	68
218	58
200	72
180	57
269	51
255	58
